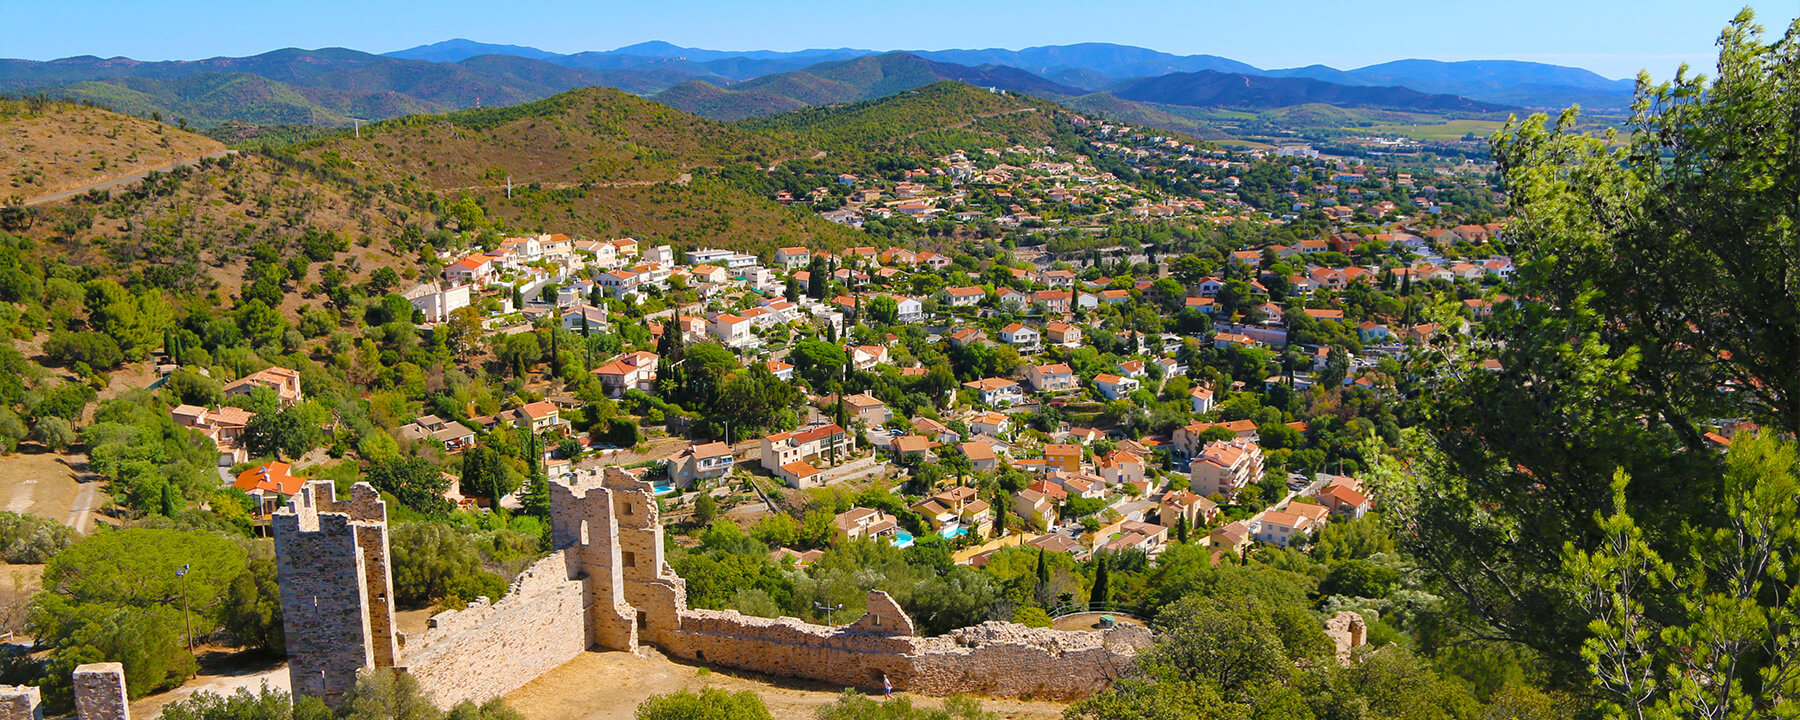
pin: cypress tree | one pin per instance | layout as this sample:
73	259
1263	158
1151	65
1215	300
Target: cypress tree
1102	579
168	500
1181	529
1043	569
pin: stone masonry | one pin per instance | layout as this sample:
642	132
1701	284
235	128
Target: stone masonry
20	702
607	584
336	588
100	692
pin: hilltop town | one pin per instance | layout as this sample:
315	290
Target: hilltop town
590	408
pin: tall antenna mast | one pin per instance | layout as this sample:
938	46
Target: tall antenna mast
509	187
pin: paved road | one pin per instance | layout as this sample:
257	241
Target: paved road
115	182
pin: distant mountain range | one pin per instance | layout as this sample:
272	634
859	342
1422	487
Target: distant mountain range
1092	66
334	85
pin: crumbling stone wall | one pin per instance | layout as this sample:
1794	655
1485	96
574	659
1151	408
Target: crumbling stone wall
1347	631
100	692
20	702
336	588
994	658
492	648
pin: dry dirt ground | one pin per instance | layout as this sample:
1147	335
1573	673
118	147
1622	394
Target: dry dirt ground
40	482
221	672
609	686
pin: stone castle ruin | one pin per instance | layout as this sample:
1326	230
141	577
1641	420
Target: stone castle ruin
607	585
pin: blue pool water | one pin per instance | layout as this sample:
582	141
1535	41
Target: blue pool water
902	539
662	488
953	532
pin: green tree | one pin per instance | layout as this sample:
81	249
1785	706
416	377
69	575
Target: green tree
415	482
115	597
1602	368
434	562
251	611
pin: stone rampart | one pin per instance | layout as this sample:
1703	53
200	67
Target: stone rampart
608	585
995	658
491	648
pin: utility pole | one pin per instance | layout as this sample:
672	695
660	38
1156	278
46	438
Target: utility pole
181	573
356	127
509	187
827	609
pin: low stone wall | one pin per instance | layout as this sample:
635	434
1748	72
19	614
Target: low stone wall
491	648
996	658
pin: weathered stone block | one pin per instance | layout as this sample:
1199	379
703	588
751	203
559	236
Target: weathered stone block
100	692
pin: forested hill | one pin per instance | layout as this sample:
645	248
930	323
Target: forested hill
864	78
934	119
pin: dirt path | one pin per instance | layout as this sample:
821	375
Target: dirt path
681	179
121	180
609	686
40	482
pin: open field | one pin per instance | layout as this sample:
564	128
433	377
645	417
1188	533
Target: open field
609	686
37	481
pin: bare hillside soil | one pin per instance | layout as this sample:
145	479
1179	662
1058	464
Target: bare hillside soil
609	686
65	147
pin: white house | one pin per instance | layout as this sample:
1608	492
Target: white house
1113	387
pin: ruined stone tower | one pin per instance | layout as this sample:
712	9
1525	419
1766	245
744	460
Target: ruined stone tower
336	588
612	537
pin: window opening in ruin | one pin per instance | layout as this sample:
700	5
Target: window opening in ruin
643	621
700	655
630	559
628	508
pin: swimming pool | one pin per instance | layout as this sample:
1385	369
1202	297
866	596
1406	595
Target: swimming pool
902	539
953	531
663	487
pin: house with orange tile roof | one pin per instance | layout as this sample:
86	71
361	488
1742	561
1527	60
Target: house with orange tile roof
284	382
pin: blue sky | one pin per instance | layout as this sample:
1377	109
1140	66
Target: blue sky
1612	37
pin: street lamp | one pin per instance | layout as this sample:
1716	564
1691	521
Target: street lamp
181	574
828	610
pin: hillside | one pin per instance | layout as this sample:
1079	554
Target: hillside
1214	89
593	162
933	119
864	78
50	147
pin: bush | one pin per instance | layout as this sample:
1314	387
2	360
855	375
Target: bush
98	350
31	540
266	704
709	704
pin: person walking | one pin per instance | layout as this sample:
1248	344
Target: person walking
887	686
